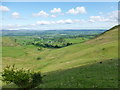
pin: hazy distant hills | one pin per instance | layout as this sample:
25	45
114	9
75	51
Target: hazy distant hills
41	32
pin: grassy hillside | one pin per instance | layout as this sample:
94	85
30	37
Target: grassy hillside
73	66
95	75
7	41
90	76
102	48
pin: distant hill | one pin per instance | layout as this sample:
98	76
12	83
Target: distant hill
46	32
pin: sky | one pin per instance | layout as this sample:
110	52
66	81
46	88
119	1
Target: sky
58	15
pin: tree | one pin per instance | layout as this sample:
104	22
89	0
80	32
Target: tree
21	77
61	40
15	40
68	44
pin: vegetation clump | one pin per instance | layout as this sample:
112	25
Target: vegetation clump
101	62
38	58
39	49
21	77
103	48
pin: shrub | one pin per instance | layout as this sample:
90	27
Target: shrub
38	58
69	44
103	48
22	78
39	49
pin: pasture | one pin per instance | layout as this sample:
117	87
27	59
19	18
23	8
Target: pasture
88	63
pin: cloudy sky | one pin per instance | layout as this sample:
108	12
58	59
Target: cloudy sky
54	15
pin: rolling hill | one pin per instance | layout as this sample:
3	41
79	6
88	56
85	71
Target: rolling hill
92	64
103	47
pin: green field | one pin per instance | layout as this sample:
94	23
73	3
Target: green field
73	66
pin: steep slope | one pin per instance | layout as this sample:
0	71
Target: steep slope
103	47
97	75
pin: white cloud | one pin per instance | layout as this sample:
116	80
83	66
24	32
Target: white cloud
18	27
77	10
109	17
79	21
62	14
15	15
12	26
41	13
9	25
113	16
60	22
98	18
76	20
4	8
56	10
95	18
53	22
53	16
43	22
33	24
68	21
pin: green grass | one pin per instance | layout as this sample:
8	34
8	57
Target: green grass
7	41
13	51
83	55
95	75
101	48
76	40
23	40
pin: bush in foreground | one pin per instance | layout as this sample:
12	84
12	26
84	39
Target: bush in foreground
22	78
